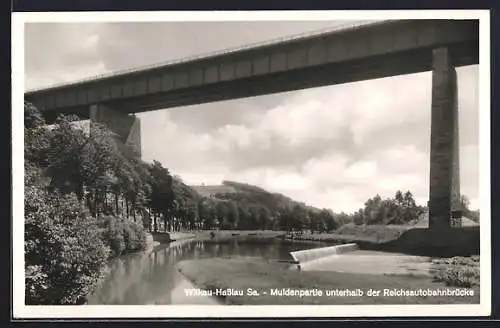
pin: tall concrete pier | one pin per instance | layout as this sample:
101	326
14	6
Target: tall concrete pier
444	190
126	127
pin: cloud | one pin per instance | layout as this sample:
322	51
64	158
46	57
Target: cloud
330	147
161	42
61	52
345	142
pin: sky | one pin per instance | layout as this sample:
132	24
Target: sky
331	147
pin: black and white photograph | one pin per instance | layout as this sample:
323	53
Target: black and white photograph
264	164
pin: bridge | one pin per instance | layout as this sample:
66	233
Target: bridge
355	53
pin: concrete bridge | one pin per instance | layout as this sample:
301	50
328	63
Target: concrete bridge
351	54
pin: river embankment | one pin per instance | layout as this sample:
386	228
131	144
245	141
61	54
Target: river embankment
451	261
450	242
257	281
215	235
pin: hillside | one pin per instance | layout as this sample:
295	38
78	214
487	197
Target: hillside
211	191
246	206
248	194
423	221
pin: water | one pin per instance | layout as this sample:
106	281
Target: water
376	262
141	279
308	255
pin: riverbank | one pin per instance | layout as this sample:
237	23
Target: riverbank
150	243
225	235
406	239
215	235
463	241
266	277
376	234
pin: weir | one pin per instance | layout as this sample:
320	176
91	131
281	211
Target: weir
313	256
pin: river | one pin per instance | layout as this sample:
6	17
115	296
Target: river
151	277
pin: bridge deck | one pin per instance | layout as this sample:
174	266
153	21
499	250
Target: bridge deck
363	52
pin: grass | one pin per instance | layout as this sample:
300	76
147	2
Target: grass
407	239
458	271
241	273
358	233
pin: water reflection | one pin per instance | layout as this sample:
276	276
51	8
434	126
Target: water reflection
152	278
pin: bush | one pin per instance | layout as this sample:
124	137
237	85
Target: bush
112	234
135	237
459	276
458	271
122	236
64	254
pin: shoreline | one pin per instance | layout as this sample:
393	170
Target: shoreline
203	274
238	275
450	242
419	241
215	235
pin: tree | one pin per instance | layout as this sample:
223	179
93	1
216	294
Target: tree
253	217
299	218
232	214
359	217
408	200
264	218
36	137
64	252
202	213
243	216
211	214
33	119
399	199
221	214
65	247
64	155
327	221
162	196
192	215
373	210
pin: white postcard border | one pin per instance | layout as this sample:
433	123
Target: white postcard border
20	310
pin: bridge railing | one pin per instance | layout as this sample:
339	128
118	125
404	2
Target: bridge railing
320	32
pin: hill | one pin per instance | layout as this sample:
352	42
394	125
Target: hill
211	191
245	206
249	195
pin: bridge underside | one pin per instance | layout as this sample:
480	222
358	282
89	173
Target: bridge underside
402	63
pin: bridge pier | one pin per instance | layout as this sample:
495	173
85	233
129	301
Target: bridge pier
444	188
126	127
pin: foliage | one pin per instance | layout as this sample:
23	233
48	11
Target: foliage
36	136
66	169
458	271
467	211
401	209
377	232
64	253
134	236
33	119
122	235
